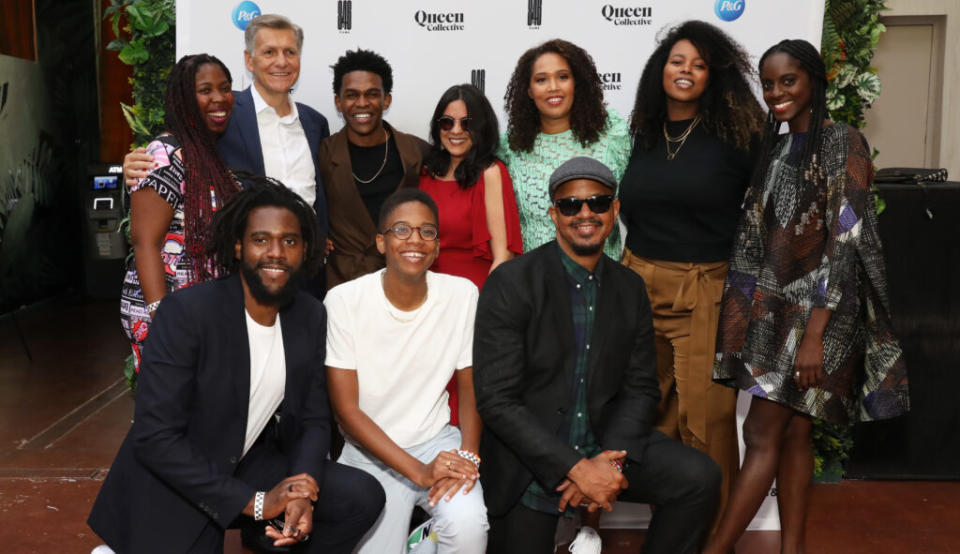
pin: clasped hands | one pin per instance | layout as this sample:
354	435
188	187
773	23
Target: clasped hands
293	498
594	482
447	474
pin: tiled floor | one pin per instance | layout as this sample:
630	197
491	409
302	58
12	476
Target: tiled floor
64	414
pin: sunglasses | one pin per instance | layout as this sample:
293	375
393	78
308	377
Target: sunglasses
598	204
446	123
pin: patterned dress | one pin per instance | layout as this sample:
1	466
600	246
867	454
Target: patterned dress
531	174
803	244
167	180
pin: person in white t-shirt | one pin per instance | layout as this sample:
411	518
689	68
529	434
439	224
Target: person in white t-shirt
394	340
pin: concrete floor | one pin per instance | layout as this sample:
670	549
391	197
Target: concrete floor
64	413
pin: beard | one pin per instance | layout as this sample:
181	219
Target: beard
263	295
586	249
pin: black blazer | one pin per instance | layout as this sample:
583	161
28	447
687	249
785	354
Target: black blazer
173	475
523	365
240	148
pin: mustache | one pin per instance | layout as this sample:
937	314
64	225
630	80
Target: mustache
580	221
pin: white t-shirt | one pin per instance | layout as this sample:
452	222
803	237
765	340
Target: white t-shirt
286	152
403	360
268	376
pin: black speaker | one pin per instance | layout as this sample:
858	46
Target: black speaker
920	230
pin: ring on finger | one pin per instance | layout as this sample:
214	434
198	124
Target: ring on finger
796	375
448	463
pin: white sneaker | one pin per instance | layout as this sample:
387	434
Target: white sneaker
102	549
587	542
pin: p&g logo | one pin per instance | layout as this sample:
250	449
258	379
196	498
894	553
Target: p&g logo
243	13
728	10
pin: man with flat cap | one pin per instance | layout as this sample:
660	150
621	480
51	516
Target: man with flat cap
566	385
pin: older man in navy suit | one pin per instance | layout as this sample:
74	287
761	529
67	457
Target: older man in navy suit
232	421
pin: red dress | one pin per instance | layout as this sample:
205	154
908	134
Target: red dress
465	237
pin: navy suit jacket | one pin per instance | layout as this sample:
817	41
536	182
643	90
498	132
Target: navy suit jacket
240	148
173	477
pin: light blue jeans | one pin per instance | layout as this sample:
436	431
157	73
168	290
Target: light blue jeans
461	524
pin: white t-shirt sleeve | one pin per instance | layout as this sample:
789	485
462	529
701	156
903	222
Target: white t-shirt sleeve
465	358
341	349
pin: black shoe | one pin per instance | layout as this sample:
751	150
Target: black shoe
253	538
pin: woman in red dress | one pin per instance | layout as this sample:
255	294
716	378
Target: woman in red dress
479	225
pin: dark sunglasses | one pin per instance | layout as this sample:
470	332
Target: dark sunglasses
446	123
598	204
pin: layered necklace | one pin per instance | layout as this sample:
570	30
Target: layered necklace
679	140
386	150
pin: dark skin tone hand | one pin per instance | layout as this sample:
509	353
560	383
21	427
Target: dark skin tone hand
809	361
291	497
594	480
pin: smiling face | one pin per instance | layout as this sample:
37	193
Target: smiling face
275	61
584	233
361	101
411	256
552	86
271	255
787	90
456	141
214	96
685	75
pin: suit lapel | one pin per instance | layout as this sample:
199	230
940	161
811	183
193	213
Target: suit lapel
246	116
237	360
558	288
342	193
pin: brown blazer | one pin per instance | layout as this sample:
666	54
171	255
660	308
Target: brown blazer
352	230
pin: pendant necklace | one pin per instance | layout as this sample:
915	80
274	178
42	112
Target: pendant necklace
680	140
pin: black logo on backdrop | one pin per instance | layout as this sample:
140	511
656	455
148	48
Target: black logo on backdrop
610	81
451	21
627	16
534	13
344	15
478	78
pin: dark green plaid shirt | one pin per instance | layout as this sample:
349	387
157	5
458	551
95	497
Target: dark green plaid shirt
583	300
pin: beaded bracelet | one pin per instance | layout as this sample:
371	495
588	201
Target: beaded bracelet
616	463
258	505
467	455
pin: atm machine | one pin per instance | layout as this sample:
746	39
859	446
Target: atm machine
105	242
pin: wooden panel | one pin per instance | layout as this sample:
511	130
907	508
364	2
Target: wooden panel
17	33
115	134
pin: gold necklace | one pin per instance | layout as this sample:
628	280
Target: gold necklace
386	150
680	139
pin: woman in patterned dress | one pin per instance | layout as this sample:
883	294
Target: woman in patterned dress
554	104
170	209
804	323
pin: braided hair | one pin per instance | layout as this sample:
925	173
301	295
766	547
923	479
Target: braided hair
207	182
588	116
809	60
230	222
484	134
729	109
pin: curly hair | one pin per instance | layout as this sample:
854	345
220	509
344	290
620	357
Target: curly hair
207	181
728	107
362	60
588	116
230	223
484	134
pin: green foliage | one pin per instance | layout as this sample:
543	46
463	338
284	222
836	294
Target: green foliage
851	30
145	40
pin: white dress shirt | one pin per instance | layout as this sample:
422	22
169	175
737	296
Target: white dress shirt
286	152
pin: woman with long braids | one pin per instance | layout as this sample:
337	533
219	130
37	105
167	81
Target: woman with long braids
804	324
171	208
694	121
554	104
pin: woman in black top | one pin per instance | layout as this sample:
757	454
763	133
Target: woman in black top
693	122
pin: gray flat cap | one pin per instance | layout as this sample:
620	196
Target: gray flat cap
582	167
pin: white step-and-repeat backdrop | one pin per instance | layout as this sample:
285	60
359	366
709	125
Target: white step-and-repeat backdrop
433	44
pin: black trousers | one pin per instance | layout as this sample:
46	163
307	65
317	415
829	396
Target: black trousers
348	504
682	483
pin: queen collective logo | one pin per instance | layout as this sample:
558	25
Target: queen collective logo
452	21
243	13
344	15
610	81
478	78
627	16
534	13
728	10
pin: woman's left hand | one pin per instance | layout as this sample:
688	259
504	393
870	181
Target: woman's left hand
808	365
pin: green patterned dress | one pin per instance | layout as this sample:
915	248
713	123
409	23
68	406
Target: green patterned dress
531	171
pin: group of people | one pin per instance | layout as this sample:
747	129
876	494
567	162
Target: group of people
488	344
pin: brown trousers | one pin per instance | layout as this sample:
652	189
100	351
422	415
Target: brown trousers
685	299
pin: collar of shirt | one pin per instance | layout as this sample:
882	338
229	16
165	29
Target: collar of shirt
577	272
260	105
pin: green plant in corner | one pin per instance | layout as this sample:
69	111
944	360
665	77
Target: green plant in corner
851	31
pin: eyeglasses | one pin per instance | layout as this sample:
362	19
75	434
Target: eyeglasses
403	231
446	123
598	204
